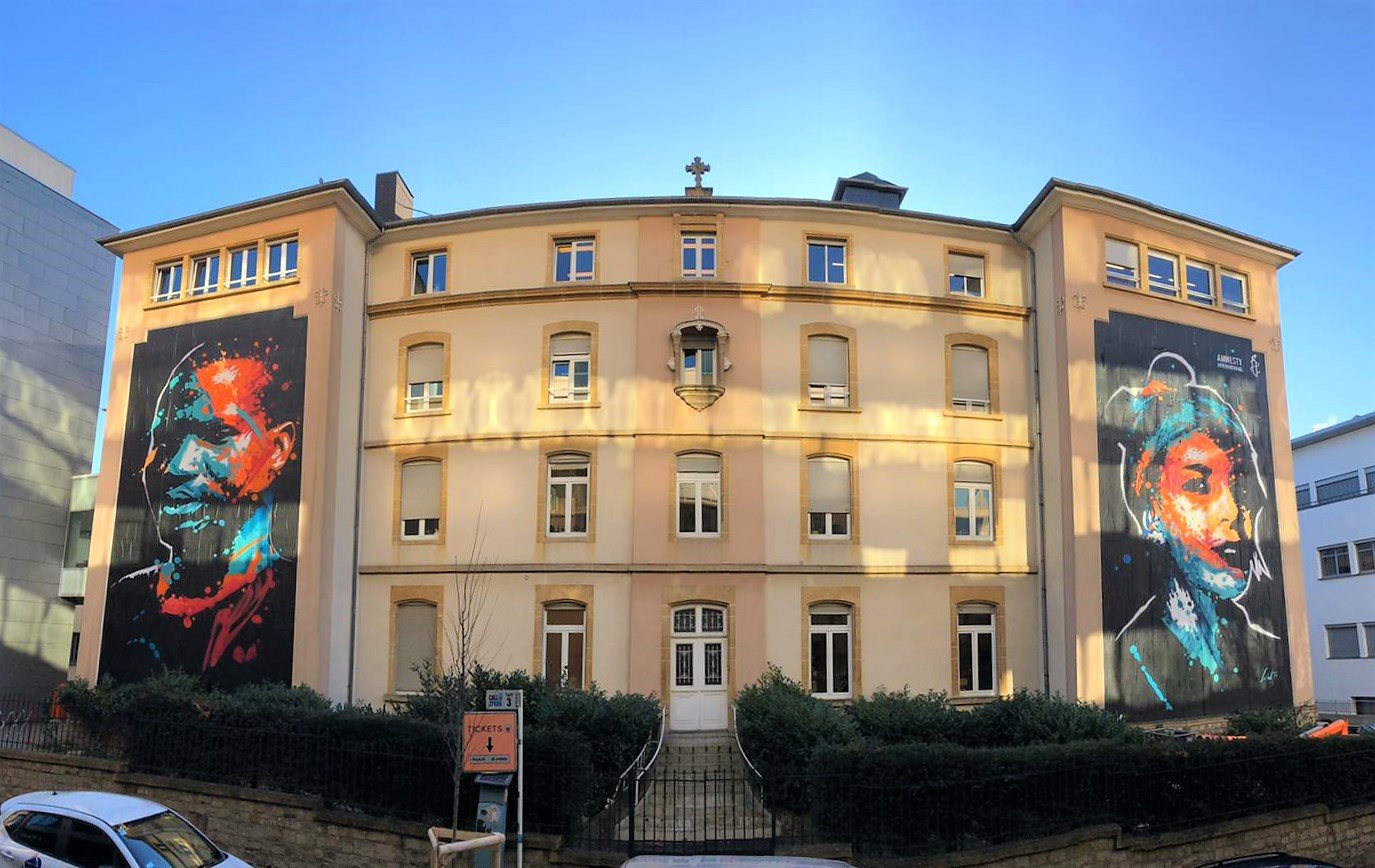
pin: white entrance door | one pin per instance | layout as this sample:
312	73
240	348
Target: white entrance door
697	665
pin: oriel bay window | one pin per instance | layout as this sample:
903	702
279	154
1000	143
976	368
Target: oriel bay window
969	389
699	495
570	368
421	481
424	378
828	371
828	497
569	490
831	647
977	650
699	358
565	632
973	500
415	645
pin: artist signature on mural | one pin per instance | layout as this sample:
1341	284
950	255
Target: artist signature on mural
1268	676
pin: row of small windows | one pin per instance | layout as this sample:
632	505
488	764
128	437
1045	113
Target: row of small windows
1350	641
1335	560
258	263
1344	486
1201	282
574	260
831	647
699	497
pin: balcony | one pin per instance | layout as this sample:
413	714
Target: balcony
72	586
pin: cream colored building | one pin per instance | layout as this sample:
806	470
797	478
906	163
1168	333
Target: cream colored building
687	437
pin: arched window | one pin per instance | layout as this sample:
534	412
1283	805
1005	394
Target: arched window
699	494
565	632
421	498
828	497
569	494
973	500
570	368
831	650
978	644
828	371
424	377
415	625
969	391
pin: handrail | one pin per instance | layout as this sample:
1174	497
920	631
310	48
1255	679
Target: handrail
663	725
494	839
637	765
735	731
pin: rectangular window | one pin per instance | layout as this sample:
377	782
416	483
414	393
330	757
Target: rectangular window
699	359
969	390
243	267
1164	273
828	497
570	368
828	371
569	477
1123	264
966	275
830	644
1363	704
1339	488
429	272
575	260
420	499
699	495
1234	295
1370	480
417	640
205	274
424	378
1368	629
282	258
1304	495
167	282
1199	277
973	500
1343	642
1365	556
699	255
825	261
565	635
1335	560
977	650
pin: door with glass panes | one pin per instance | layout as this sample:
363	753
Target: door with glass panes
697	668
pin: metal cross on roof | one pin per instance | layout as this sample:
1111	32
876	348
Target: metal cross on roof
697	169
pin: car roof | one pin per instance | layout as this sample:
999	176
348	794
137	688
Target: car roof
113	808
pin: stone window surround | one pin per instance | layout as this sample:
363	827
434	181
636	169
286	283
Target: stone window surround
402	373
413	594
404	455
987	595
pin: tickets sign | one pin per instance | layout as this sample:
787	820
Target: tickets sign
489	741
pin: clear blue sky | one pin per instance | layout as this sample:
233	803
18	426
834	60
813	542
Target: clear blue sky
1260	116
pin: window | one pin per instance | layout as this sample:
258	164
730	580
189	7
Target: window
1370	480
1164	273
1339	488
205	274
825	260
1199	277
167	282
967	274
698	364
78	550
565	632
828	371
429	272
39	832
828	498
243	267
1336	561
1234	297
417	643
977	648
1304	494
1343	642
699	255
699	494
75	650
89	847
424	378
969	390
569	478
1123	264
168	840
973	500
420	499
1369	630
831	650
1363	704
570	368
281	259
575	259
1365	556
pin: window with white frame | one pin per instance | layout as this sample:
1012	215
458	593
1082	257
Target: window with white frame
282	256
969	386
570	368
1234	295
416	643
973	500
420	499
828	371
575	260
828	497
699	255
1163	272
966	274
1343	642
978	648
699	494
1198	278
830	639
1123	263
167	282
205	274
565	636
243	267
569	490
1365	556
1335	561
429	272
826	260
424	378
698	365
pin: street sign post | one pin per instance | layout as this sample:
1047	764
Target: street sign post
501	702
489	741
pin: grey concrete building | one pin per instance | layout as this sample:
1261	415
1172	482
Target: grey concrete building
55	291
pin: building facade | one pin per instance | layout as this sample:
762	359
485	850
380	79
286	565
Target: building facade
55	287
662	443
1335	471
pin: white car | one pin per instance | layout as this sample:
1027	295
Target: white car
101	830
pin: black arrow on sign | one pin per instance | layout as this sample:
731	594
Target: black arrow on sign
489	744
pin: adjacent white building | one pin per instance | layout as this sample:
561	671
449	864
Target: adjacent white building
1334	470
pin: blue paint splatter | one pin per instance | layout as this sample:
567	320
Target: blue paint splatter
1150	680
1126	559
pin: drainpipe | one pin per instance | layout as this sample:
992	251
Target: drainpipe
1039	447
358	472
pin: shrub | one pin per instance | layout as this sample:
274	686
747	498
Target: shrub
1272	721
899	717
1027	718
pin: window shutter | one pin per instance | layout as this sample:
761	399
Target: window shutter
828	483
425	363
699	463
420	489
968	266
1122	253
571	344
828	360
973	471
417	634
969	373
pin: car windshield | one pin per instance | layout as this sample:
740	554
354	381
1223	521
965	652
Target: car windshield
167	841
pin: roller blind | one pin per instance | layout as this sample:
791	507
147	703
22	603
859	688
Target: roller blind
828	360
417	634
571	344
1122	253
425	364
828	481
973	471
699	463
420	490
969	374
968	266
